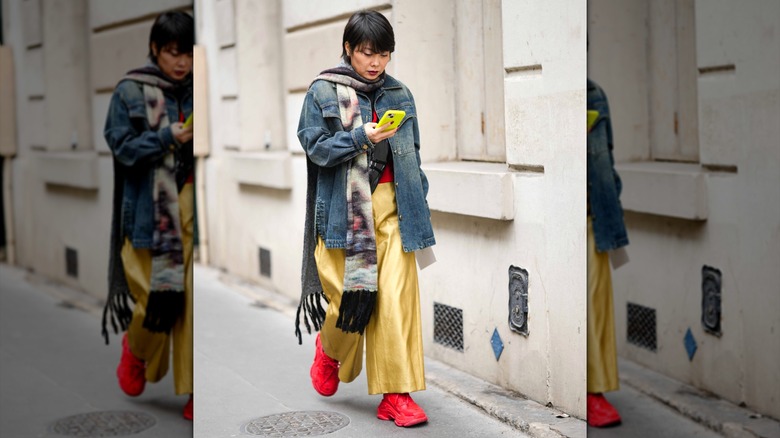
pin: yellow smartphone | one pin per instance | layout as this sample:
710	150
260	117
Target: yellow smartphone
592	117
391	119
188	122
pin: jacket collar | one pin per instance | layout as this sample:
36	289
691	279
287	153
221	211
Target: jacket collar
391	82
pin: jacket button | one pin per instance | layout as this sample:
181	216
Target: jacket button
365	147
400	217
396	183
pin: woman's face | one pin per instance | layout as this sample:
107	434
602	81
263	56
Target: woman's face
366	62
173	64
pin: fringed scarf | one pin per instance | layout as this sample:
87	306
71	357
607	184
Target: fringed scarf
166	297
360	267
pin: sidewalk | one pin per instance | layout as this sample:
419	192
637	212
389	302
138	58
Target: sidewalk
249	365
55	364
652	404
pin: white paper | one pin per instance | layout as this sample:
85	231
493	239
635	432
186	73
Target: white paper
425	257
618	257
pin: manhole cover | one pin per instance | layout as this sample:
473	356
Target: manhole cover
301	423
106	423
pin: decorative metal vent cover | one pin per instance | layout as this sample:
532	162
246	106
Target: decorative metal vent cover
518	300
265	262
102	424
711	281
71	262
641	327
297	423
448	326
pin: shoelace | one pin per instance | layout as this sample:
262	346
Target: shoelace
402	400
331	363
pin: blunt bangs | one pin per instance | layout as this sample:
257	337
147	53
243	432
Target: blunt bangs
177	28
368	29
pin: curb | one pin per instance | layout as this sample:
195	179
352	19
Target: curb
704	408
509	407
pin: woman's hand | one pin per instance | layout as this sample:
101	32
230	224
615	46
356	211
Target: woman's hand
377	135
180	133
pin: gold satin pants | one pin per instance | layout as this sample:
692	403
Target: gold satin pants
393	337
602	351
155	348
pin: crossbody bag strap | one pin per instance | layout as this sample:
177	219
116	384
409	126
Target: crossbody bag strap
379	159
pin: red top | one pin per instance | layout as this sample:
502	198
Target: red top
387	174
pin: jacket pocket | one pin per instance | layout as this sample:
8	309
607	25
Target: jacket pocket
403	140
136	111
332	117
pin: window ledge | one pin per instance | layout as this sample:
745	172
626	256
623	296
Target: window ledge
264	169
665	189
71	169
471	188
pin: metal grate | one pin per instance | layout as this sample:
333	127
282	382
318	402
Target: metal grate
265	262
102	424
518	300
711	281
641	327
299	423
71	262
448	326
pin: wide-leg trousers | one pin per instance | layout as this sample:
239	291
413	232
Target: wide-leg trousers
155	348
602	351
393	337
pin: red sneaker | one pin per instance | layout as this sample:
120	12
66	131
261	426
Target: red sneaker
130	371
188	410
600	412
402	409
324	371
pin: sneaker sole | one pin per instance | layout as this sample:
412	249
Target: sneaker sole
387	417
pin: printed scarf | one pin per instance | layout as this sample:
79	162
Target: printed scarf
360	266
166	296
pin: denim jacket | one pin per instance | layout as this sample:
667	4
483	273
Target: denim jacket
604	184
137	150
330	148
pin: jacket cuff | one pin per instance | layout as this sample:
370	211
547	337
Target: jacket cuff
359	137
167	139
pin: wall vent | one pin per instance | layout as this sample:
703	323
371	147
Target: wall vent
641	326
71	262
265	262
448	326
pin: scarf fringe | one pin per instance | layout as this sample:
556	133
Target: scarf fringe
117	310
163	310
355	310
311	307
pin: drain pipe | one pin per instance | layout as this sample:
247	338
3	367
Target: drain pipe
10	238
201	146
8	144
200	196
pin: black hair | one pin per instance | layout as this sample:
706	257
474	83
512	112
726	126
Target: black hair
368	28
172	27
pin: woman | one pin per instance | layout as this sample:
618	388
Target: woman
151	236
358	246
606	232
